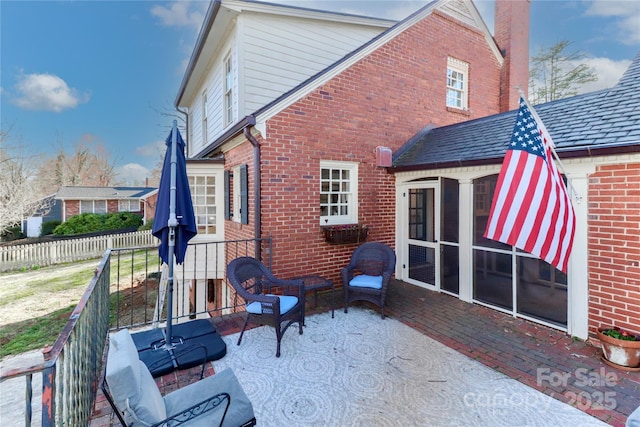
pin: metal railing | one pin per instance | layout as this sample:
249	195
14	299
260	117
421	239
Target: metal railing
123	288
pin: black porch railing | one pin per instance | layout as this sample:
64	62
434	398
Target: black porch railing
126	291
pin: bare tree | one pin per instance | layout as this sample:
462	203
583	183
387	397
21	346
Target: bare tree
555	73
89	165
20	195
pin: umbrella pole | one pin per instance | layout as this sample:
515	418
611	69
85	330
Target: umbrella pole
172	223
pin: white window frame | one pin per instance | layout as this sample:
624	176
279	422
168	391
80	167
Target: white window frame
237	199
350	193
205	119
457	95
217	172
204	196
129	205
227	85
93	206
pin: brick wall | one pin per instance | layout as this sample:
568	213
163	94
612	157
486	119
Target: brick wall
512	36
614	247
384	99
71	208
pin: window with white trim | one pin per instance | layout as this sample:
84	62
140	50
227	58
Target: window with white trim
338	193
129	205
457	84
93	206
203	196
205	115
228	90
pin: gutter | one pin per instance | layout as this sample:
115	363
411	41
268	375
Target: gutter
582	152
256	188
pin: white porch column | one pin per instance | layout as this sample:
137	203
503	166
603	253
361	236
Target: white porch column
578	289
466	239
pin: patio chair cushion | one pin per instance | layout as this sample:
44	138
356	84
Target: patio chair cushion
287	302
240	408
131	383
365	281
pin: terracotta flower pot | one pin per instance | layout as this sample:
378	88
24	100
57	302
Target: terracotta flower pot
623	353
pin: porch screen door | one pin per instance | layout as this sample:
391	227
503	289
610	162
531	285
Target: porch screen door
423	234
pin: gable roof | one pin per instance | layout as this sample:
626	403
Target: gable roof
104	193
462	10
602	122
220	15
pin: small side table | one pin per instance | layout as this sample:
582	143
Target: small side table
316	283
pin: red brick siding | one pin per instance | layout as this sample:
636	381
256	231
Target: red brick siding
384	99
512	35
71	208
614	247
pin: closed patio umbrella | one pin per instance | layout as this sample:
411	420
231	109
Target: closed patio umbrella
174	223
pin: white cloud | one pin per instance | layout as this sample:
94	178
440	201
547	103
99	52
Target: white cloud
132	174
46	92
181	13
608	70
627	13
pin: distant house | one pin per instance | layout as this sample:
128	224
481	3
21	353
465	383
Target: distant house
77	200
51	210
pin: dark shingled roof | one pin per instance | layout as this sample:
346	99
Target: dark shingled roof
580	125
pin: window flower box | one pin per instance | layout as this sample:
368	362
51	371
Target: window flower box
345	233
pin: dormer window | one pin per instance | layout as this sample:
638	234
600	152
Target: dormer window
457	84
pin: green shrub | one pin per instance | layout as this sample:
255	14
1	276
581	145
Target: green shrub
116	221
12	233
48	227
90	223
147	226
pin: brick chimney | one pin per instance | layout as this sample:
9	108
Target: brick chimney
512	35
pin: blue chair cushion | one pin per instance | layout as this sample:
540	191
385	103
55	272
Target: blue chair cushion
364	281
286	304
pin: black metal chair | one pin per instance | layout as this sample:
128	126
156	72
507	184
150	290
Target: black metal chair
367	276
269	300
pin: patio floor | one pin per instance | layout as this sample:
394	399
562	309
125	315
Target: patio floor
543	358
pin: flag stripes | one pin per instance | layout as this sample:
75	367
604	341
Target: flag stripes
531	207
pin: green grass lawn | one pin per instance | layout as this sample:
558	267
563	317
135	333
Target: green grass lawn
38	290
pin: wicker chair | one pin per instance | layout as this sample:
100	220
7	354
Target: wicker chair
367	276
269	301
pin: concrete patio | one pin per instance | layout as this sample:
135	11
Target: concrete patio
542	358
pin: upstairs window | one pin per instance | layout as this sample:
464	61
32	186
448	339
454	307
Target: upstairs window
338	193
228	90
457	84
205	115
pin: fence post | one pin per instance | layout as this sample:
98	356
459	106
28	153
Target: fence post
48	396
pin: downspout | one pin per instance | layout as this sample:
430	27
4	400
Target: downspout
256	188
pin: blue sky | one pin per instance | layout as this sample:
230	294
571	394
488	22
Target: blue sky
110	70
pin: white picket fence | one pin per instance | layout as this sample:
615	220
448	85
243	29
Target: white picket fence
61	251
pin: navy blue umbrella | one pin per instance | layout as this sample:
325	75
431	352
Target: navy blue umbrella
174	222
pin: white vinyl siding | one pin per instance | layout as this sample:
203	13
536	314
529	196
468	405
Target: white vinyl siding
281	53
269	56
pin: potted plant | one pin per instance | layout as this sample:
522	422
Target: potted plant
345	233
620	348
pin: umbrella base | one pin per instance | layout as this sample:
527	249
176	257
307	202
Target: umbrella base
186	350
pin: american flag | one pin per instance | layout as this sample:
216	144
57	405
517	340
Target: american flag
531	207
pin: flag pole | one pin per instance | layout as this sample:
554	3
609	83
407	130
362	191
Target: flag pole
552	146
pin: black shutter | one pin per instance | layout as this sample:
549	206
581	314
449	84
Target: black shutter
244	195
227	195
